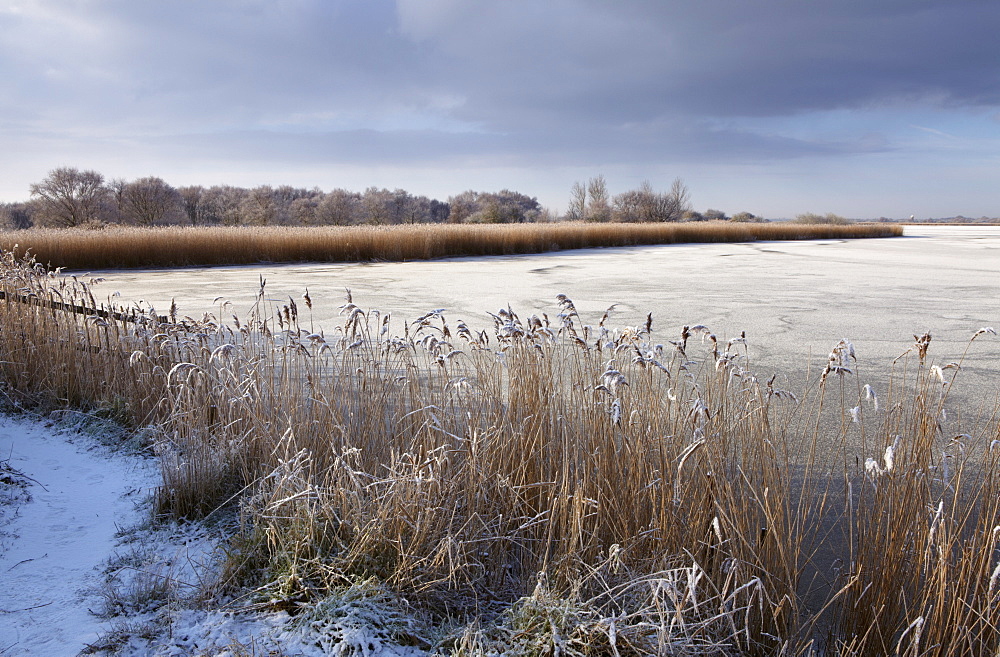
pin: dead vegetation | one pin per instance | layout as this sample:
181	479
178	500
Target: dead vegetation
545	485
84	249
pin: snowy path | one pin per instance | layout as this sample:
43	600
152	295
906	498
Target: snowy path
52	546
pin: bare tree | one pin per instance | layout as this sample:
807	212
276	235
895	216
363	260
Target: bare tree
399	207
463	206
259	207
680	198
148	201
503	207
302	211
192	200
440	212
69	197
645	204
114	199
598	201
628	206
518	207
284	198
16	216
377	205
418	210
339	207
223	204
577	202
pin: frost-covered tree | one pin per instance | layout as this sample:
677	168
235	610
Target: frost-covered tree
628	206
302	211
645	204
463	206
598	200
747	217
223	204
503	207
339	208
376	206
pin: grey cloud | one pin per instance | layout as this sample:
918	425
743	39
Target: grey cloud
515	63
214	64
563	82
701	142
634	61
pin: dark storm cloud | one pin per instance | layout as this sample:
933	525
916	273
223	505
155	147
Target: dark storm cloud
607	63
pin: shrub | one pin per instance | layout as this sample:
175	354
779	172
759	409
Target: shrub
747	218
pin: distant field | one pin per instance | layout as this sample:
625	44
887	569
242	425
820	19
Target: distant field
184	246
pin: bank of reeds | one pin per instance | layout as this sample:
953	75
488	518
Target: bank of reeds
546	486
181	246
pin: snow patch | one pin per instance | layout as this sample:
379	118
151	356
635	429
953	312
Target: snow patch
59	533
84	570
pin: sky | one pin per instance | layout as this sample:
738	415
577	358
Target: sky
776	107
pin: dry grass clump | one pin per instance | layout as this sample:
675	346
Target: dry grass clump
555	486
181	246
925	521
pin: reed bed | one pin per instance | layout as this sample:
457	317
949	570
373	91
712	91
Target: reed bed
82	249
544	485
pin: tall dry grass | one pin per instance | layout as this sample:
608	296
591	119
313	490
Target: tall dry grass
181	246
556	485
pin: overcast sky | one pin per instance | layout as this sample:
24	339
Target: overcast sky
864	108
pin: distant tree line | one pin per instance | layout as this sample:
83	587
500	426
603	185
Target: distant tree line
591	201
957	219
68	197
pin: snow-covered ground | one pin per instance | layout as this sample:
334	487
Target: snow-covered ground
83	569
58	526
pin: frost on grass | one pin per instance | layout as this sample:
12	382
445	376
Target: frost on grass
362	620
156	602
671	612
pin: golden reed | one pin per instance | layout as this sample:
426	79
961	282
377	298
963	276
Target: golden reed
116	247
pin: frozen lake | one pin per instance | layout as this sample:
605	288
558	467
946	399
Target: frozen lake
795	300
